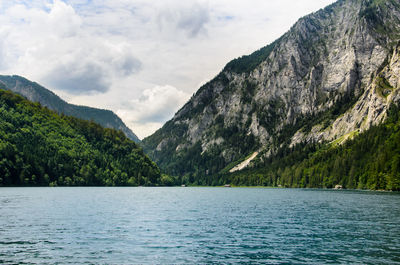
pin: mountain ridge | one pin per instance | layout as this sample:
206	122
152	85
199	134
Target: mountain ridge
287	92
39	147
37	93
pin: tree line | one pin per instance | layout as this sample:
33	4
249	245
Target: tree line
39	147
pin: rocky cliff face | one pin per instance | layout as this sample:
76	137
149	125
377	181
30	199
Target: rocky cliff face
36	93
334	73
370	109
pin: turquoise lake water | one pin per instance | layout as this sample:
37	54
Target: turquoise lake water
197	226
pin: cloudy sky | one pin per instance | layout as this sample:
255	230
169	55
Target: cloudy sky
143	59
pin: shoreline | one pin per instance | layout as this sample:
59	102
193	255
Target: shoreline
199	186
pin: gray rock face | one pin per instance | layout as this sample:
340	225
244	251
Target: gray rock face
369	110
258	102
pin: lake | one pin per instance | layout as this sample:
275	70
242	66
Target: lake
198	225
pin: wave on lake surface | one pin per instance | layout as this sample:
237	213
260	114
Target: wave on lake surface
197	225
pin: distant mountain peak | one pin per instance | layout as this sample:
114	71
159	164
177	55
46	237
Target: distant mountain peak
37	93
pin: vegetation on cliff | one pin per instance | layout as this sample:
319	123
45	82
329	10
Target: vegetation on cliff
332	75
371	160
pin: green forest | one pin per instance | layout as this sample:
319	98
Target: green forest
38	147
371	160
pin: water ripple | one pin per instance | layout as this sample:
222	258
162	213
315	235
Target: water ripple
197	225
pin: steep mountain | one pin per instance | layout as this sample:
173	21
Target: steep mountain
333	75
36	93
38	147
369	160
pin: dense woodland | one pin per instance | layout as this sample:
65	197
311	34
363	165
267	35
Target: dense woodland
371	160
38	147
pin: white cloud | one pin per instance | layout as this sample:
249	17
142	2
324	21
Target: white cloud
190	17
61	53
159	103
140	58
153	108
91	67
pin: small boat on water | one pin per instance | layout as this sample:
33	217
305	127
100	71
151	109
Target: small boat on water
227	185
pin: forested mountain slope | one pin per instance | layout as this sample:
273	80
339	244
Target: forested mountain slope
38	147
370	160
333	75
36	93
